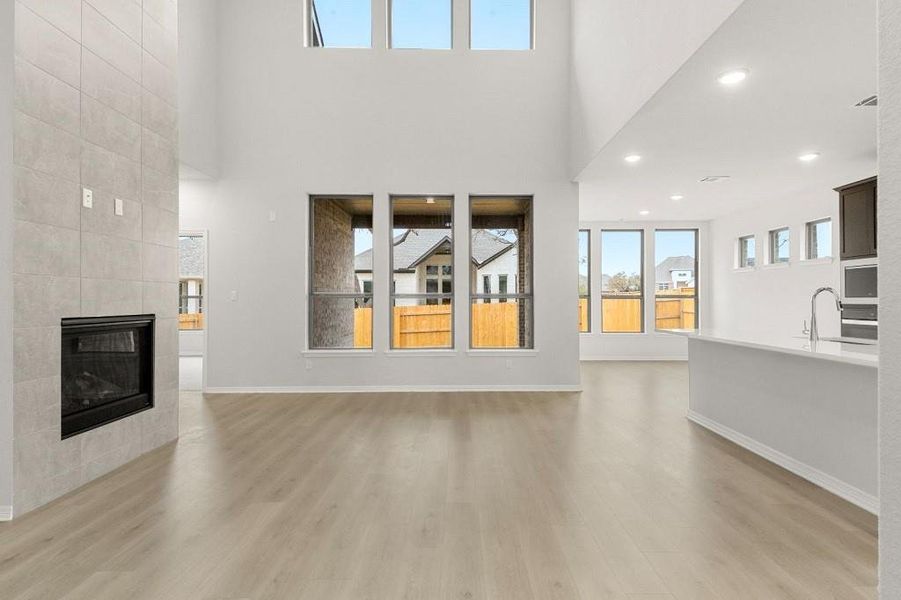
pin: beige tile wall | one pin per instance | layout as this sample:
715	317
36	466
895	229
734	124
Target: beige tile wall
95	107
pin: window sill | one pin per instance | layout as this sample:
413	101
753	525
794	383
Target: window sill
825	260
506	353
622	333
779	265
363	352
424	352
744	269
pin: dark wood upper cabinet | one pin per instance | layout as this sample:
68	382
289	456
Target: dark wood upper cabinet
857	210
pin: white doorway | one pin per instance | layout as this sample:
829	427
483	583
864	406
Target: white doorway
191	308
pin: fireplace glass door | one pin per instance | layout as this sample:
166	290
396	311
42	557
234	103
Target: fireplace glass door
107	370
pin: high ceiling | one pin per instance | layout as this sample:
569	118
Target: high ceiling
810	61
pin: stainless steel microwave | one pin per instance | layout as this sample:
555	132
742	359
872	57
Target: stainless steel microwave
860	281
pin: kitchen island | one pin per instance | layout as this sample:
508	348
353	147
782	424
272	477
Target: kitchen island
810	408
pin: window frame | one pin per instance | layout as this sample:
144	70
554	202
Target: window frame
742	257
697	274
772	251
312	33
530	297
440	296
531	32
641	271
389	34
587	295
808	227
311	293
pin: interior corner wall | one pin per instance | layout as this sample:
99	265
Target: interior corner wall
774	300
7	92
890	299
650	345
296	121
623	53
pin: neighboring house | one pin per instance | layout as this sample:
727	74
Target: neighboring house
423	264
675	272
190	274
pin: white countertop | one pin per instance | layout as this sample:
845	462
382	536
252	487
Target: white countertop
855	354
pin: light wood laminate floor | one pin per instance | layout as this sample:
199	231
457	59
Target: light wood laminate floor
606	494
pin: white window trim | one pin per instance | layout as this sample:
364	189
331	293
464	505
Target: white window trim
769	262
736	262
805	234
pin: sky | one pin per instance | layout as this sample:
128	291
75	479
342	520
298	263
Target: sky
621	250
496	24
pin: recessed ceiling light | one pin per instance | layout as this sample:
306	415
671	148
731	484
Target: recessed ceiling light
644	213
632	158
676	197
808	157
733	77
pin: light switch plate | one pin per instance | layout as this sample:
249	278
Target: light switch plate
119	207
272	216
87	198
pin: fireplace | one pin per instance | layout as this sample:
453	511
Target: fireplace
107	370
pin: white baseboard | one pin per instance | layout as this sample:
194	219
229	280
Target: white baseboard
368	389
620	358
829	483
6	513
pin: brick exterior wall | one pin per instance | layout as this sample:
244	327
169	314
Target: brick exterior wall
332	319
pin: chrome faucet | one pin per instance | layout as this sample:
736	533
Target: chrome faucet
814	334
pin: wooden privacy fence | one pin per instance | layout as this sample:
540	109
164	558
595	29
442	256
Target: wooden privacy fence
189	321
675	313
494	325
422	326
623	315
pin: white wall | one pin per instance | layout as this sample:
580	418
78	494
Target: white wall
649	345
623	52
198	100
296	121
6	254
774	299
890	298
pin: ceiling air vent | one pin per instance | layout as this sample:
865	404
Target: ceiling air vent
714	178
868	101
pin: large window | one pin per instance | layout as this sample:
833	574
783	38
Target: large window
819	239
584	281
191	253
622	281
747	252
500	24
422	253
340	303
422	24
501	246
340	23
780	246
676	278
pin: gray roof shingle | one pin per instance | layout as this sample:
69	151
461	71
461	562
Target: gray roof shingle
414	245
673	263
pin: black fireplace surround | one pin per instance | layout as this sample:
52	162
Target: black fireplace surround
107	370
